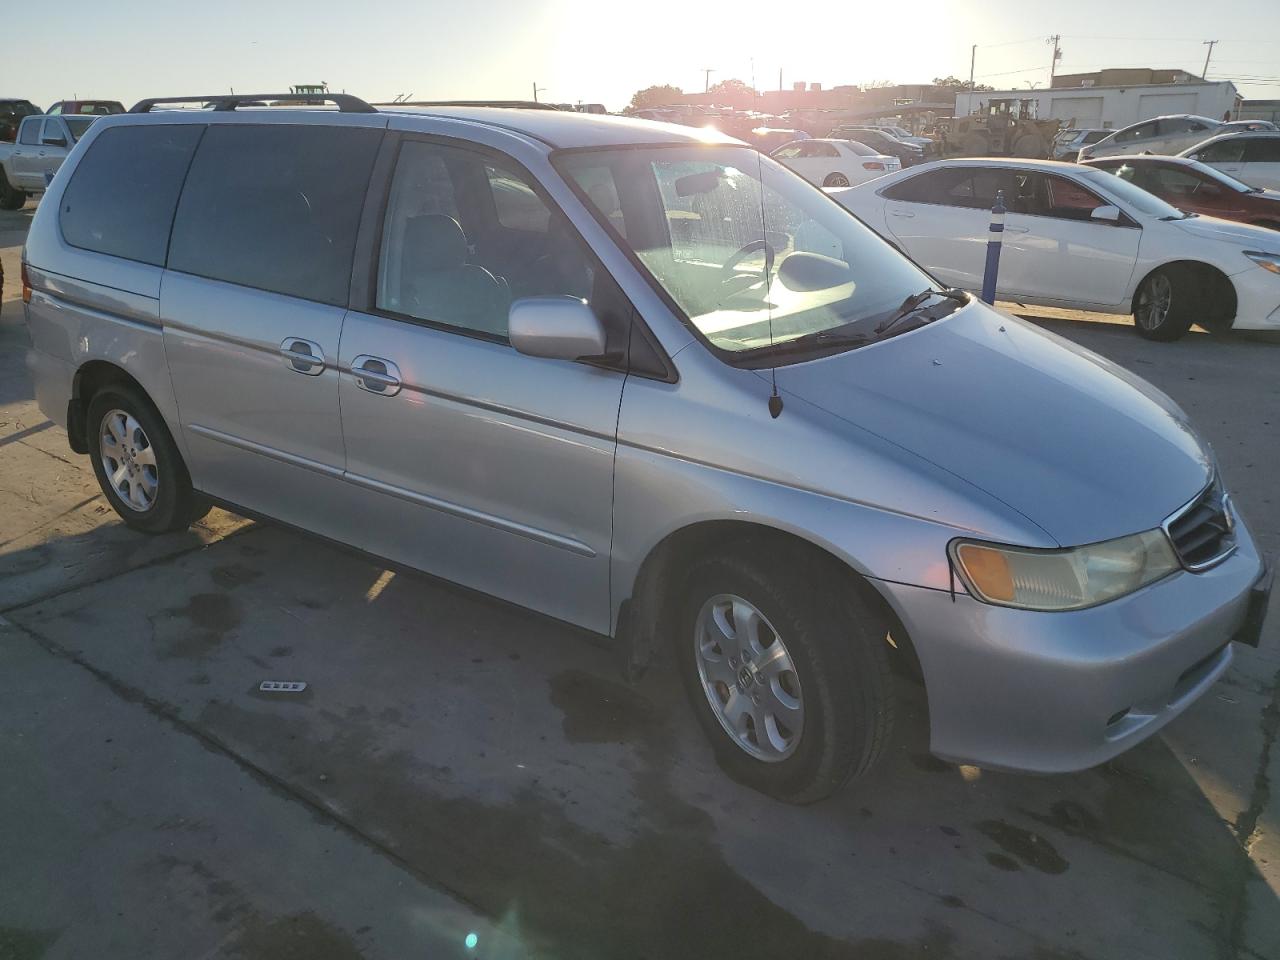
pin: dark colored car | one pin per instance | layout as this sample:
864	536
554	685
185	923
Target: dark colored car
1197	188
880	141
12	111
97	108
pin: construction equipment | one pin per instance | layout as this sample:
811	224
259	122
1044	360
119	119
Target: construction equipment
1001	128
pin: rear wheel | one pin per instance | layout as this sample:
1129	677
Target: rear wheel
137	463
836	180
787	672
1165	306
11	198
1029	145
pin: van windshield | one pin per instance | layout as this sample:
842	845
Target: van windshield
751	254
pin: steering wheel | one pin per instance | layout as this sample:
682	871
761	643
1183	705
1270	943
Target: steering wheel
727	271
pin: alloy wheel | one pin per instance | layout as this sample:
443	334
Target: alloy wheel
749	678
1154	302
129	460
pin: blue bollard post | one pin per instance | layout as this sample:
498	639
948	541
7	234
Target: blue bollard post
994	241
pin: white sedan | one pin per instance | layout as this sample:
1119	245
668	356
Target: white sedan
1251	157
1081	238
835	163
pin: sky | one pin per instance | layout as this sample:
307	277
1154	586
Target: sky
602	51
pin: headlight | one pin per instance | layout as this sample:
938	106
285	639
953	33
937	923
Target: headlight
1063	579
1267	261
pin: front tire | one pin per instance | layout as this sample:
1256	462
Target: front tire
787	672
836	180
137	463
1165	306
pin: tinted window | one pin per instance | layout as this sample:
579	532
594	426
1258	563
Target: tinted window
1093	136
450	257
1176	125
1140	132
121	196
1230	150
973	187
79	125
275	207
29	132
1262	150
1066	199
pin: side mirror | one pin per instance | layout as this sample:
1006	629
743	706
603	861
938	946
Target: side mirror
559	328
54	141
1108	214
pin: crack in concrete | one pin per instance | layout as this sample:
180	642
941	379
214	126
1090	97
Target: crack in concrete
40	526
1247	831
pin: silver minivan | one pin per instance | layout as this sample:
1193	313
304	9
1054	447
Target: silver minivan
640	378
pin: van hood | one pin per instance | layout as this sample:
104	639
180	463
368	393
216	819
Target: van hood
1241	234
1079	446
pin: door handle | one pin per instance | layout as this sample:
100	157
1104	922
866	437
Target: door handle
302	356
1009	229
901	213
376	375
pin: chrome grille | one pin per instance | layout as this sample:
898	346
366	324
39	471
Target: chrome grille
1203	532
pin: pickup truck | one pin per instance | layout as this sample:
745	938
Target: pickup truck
28	164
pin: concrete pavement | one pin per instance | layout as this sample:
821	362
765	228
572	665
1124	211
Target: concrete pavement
457	765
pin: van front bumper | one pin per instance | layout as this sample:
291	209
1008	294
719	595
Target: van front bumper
1057	692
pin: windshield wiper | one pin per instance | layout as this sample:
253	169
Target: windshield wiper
915	302
819	340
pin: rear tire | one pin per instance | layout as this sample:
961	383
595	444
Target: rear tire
11	198
787	670
1165	306
836	180
137	463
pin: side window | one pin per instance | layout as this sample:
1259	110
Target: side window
1262	150
1141	132
825	150
1170	181
29	132
122	194
1067	200
789	152
925	187
1174	126
275	207
453	257
1230	150
597	181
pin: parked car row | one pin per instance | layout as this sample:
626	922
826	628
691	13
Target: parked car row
835	163
28	164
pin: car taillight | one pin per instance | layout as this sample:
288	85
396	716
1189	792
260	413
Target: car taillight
872	165
26	283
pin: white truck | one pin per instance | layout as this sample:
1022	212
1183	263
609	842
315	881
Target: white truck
28	164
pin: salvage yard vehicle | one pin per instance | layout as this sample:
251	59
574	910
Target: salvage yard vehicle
1081	238
30	163
835	163
675	395
1002	128
1195	187
1167	135
1251	157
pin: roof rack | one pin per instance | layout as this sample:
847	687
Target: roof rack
507	104
346	103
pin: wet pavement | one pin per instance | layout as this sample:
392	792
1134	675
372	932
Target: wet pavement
458	766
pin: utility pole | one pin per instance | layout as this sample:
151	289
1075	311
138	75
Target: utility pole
973	57
779	79
1204	74
536	88
1057	55
706	78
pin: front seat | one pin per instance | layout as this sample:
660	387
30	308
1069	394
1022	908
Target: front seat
438	284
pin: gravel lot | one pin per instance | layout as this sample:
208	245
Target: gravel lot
459	766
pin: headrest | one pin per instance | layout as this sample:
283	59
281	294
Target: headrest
434	242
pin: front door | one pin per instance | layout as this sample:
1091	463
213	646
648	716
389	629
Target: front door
472	461
252	304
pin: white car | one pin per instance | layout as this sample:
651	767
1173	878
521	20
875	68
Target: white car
835	163
1078	237
1159	135
1251	157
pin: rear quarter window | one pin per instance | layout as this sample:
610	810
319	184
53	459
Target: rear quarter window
123	192
275	207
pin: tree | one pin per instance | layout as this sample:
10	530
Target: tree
955	83
655	96
731	90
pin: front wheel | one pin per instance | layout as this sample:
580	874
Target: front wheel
786	671
1165	306
137	463
836	180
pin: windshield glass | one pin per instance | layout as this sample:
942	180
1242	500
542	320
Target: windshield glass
741	244
78	125
1131	195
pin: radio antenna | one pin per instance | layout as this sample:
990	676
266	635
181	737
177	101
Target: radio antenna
775	400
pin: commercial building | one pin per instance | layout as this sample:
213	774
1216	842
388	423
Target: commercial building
1113	106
